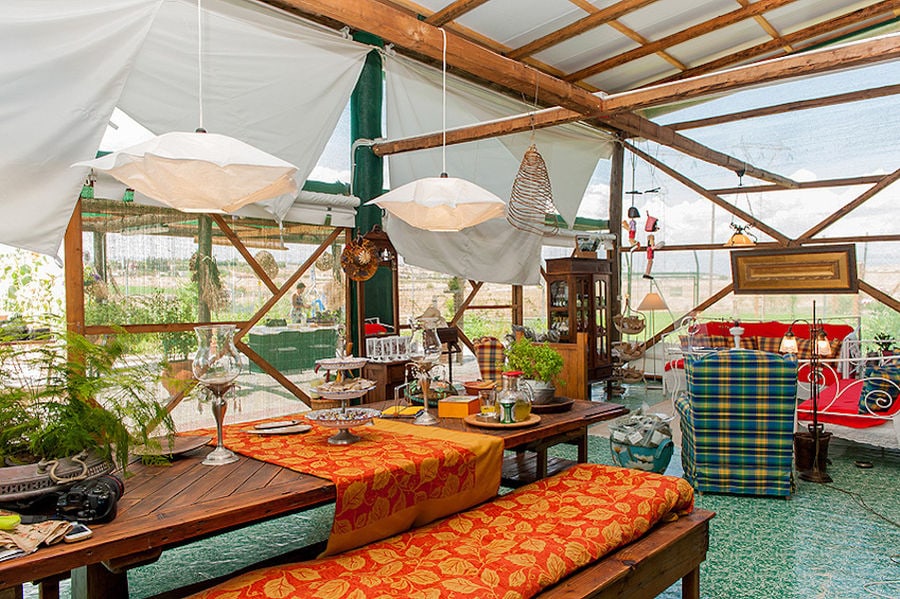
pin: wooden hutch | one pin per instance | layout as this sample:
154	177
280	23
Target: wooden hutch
579	309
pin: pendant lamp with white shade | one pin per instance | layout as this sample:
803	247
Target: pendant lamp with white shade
441	203
199	171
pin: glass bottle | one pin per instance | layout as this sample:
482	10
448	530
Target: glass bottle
515	405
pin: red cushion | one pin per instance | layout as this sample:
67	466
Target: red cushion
374	328
843	410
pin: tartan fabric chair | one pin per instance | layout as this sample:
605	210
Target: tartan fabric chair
490	356
737	422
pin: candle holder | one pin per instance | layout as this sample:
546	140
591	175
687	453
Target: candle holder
424	352
216	366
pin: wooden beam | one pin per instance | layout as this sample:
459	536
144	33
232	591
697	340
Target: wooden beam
881	296
708	26
778	236
242	249
885	182
453	11
272	371
639	127
476	285
406	31
844	182
515	124
857	54
287	285
856	96
619	9
814	34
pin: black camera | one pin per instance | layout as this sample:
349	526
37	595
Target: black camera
92	500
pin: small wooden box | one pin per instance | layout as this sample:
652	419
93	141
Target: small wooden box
458	406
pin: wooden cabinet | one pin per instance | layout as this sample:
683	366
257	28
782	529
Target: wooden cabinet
578	308
387	376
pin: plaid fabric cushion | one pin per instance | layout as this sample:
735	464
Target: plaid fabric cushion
738	422
881	387
489	353
696	341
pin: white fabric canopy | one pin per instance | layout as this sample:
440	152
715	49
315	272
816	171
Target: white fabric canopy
64	65
493	251
270	80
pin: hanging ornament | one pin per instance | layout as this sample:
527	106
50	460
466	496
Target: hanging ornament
267	262
359	259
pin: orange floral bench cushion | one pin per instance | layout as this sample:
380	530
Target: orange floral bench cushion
512	546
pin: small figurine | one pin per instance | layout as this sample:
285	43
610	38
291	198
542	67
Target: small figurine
652	246
631	227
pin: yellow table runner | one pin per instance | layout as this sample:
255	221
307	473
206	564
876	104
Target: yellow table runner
398	476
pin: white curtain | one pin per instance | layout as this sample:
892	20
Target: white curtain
64	65
270	79
493	251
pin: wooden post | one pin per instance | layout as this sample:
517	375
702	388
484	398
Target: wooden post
616	174
204	253
74	273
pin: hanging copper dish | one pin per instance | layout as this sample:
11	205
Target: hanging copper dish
359	259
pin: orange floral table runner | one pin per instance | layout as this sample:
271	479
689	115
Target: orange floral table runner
511	547
399	475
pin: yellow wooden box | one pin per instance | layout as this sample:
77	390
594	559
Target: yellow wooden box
458	406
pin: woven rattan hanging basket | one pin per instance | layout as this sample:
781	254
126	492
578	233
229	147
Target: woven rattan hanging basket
531	205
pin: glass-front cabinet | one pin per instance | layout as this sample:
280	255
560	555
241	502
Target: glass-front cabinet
578	302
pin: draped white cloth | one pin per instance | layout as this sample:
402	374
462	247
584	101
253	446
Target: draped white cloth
269	79
493	251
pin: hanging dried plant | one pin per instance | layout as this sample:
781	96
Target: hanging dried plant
205	272
531	200
325	261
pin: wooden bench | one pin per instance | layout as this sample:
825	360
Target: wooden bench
593	531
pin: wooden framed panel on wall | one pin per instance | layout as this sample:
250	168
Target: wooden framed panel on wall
818	269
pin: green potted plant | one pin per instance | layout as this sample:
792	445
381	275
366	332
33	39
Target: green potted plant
71	408
539	364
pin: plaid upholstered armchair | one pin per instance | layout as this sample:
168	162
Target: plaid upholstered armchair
737	422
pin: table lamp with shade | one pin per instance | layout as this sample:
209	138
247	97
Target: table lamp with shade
816	439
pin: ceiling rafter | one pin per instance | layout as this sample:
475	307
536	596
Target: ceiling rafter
767	27
708	26
580	26
453	11
850	22
854	96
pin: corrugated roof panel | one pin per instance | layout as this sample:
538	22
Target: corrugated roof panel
666	17
517	22
634	74
586	49
720	43
806	12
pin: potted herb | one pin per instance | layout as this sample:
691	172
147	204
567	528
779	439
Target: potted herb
539	364
885	344
64	398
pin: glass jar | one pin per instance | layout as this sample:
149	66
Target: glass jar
513	400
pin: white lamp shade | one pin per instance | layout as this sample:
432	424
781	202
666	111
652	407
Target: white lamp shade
199	172
441	204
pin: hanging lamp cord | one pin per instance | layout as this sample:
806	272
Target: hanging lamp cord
200	63
444	104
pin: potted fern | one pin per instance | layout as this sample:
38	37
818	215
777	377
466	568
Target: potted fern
71	408
539	364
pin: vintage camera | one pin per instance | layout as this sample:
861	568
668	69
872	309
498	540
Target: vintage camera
92	500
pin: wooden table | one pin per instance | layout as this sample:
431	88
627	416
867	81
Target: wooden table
165	507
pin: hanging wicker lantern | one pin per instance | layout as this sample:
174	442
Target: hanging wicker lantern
531	200
267	262
359	259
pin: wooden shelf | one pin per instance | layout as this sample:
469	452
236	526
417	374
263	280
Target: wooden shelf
521	468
